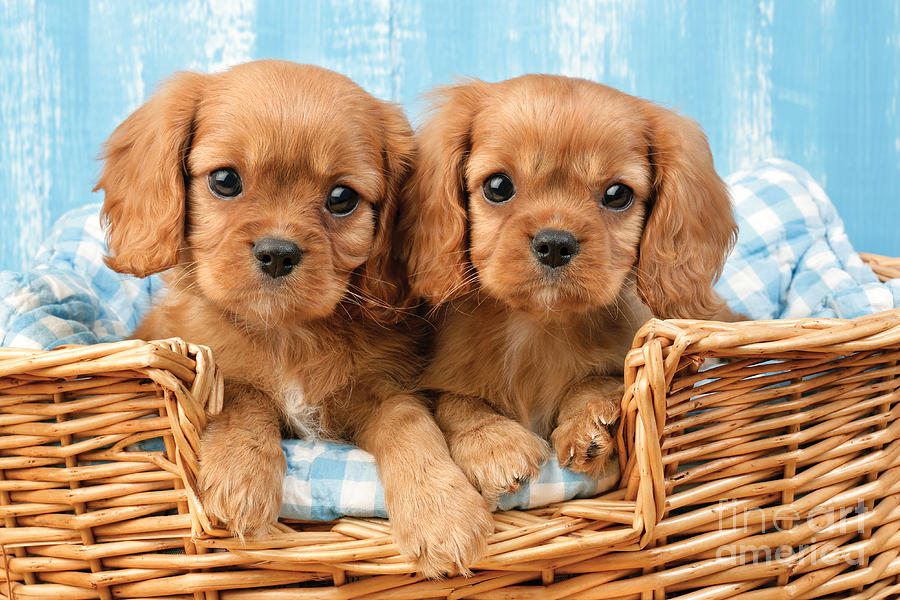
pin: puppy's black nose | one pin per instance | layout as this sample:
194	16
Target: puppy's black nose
277	258
554	248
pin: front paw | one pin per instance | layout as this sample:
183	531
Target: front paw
499	456
444	523
240	482
583	441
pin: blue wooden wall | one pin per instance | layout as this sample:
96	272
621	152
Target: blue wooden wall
814	81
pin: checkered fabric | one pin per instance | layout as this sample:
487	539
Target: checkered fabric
326	480
68	295
792	259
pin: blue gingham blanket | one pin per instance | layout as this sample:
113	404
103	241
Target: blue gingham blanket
792	260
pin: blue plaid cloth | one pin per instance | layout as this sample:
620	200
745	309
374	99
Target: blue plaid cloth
327	480
68	295
792	260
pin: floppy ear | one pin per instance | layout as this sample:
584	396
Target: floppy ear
382	279
690	229
433	221
144	179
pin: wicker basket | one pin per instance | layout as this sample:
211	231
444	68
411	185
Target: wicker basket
773	473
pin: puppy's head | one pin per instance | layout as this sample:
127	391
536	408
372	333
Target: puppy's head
547	192
272	188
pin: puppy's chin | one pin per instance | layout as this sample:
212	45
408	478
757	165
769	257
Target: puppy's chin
550	293
276	309
265	302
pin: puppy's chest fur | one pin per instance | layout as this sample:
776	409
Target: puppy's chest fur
523	365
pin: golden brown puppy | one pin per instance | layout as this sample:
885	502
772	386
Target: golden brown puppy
547	218
268	193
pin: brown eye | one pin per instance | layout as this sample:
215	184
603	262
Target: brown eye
225	183
498	188
341	200
617	197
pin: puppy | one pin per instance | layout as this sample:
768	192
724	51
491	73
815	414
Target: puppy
546	220
268	195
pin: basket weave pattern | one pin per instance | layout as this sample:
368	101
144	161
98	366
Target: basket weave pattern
772	473
76	497
779	468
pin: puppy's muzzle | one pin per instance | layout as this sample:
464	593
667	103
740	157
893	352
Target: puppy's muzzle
277	258
554	248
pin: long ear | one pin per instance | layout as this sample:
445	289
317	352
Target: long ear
433	221
144	179
690	228
382	278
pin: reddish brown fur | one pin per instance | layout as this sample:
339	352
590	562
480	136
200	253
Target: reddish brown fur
322	351
523	353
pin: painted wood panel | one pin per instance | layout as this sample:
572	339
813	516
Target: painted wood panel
816	82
